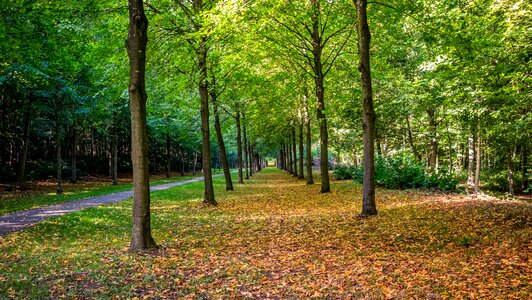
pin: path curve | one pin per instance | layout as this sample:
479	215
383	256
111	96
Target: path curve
22	219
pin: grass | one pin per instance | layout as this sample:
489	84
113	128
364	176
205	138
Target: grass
42	193
276	237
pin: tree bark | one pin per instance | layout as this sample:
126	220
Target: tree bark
294	150
310	177
477	163
524	158
250	154
411	140
471	157
433	138
59	162
74	169
26	142
205	130
368	194
168	154
115	154
246	157
510	154
320	94
141	237
300	173
239	147
221	144
194	162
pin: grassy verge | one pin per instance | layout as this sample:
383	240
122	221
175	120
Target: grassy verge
16	201
277	237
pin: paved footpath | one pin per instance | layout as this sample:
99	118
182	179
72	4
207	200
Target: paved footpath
20	220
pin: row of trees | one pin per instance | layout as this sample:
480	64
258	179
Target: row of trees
449	83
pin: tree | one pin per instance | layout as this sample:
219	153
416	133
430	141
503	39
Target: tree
141	237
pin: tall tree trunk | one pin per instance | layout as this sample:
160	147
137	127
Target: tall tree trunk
510	154
290	154
239	147
310	177
115	154
471	159
183	158
168	154
433	138
368	194
221	143
300	173
450	152
74	169
141	237
411	140
477	163
205	130
250	154
26	142
320	94
524	158
59	161
194	162
294	150
246	157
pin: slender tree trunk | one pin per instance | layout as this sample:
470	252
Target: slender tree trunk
205	130
221	144
510	154
433	138
477	163
471	157
411	140
74	177
141	237
450	152
310	177
115	154
239	147
59	161
183	162
290	154
250	154
168	154
300	173
194	162
368	194
524	158
246	163
320	94
26	142
294	150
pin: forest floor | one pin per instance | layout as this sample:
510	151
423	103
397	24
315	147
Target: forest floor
275	237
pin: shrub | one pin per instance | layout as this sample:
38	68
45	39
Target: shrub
403	171
344	172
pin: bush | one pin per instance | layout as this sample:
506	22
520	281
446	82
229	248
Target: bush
344	172
403	171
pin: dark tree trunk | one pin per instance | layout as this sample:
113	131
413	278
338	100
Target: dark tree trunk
183	158
250	154
59	161
26	142
433	138
294	150
301	174
221	143
320	94
477	163
471	157
115	154
310	177
524	158
168	154
290	154
411	140
141	237
246	162
368	195
239	147
74	177
194	162
205	130
510	154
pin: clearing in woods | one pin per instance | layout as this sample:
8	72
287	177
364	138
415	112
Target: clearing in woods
277	237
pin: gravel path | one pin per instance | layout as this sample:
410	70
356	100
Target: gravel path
20	220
